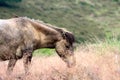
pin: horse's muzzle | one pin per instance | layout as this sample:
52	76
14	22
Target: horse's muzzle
71	61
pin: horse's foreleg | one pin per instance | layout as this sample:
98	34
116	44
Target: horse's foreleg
11	65
27	60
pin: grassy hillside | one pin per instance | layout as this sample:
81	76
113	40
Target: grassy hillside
85	18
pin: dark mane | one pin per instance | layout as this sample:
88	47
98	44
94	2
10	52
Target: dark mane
67	35
70	37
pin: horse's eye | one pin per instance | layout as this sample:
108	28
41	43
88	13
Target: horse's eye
67	47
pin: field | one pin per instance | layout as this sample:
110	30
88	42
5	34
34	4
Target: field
96	26
99	61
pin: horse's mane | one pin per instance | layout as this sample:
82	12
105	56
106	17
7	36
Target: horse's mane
64	32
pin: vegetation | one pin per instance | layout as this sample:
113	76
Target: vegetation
44	52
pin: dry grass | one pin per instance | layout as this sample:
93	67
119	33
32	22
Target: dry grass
93	63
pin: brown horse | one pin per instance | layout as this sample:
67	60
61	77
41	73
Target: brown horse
19	37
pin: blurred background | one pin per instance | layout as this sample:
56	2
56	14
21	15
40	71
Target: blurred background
87	19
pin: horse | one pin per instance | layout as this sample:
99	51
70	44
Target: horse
20	36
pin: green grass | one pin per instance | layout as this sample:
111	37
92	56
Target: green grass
44	52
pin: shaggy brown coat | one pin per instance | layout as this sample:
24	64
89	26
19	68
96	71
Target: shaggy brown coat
19	37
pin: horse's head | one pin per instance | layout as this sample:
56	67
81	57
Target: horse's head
64	48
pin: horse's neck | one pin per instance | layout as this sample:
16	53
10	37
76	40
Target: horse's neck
45	35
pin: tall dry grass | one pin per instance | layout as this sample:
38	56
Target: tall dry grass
93	62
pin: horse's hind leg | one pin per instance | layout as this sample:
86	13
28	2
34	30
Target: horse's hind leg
11	65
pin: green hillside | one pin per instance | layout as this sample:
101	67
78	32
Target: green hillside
85	18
